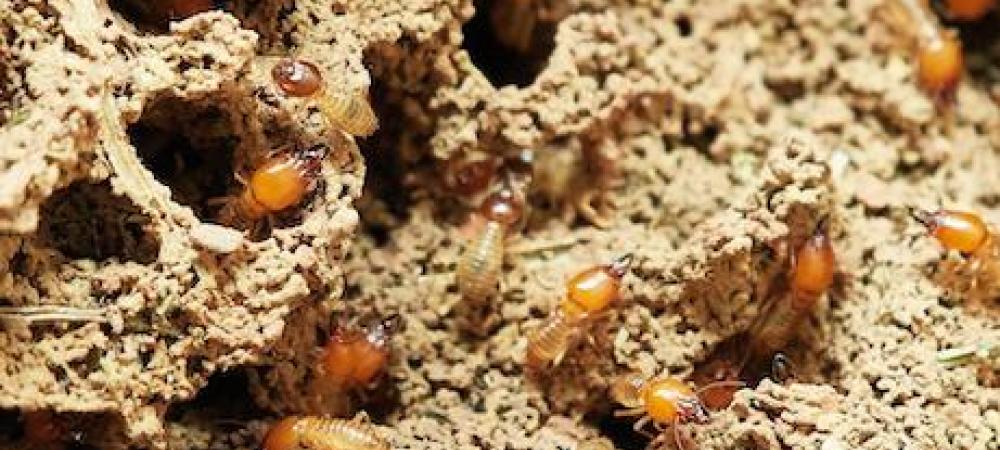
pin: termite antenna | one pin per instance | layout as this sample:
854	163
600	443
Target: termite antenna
317	151
920	215
392	324
822	226
311	158
677	435
619	267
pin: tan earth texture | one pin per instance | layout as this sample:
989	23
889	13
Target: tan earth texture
709	138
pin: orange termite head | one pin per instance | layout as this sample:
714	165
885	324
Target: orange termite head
939	67
357	357
668	400
470	177
283	435
815	264
297	77
283	180
504	207
592	290
968	10
955	230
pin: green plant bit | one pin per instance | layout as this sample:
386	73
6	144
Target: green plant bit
962	355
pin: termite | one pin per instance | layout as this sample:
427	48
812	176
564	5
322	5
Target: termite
667	402
589	294
351	112
759	353
478	271
728	370
812	274
938	51
963	231
469	177
282	181
317	433
356	358
580	179
966	233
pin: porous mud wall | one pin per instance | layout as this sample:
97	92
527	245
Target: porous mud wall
709	138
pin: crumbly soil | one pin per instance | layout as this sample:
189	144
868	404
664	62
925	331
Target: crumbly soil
709	138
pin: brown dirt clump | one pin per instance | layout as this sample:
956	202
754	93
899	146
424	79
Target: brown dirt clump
708	138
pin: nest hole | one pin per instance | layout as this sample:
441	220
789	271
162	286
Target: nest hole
700	136
797	362
981	45
621	432
189	148
684	27
89	221
155	16
11	76
60	430
215	401
10	428
510	41
385	199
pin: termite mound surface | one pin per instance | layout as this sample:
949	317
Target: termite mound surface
695	96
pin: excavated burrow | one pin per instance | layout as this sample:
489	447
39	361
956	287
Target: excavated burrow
139	131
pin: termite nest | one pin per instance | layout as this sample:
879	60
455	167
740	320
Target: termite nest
497	224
